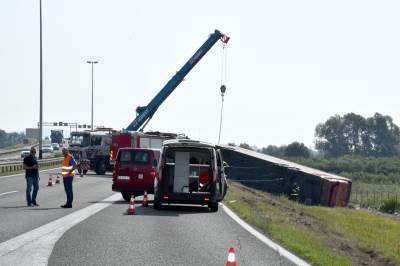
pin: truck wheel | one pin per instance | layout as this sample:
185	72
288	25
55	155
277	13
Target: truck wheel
85	172
126	196
213	206
79	171
100	167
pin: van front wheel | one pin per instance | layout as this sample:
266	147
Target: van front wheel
213	207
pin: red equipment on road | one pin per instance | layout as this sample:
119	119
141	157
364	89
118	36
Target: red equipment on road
50	183
132	209
231	261
145	200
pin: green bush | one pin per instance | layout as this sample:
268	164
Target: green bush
390	205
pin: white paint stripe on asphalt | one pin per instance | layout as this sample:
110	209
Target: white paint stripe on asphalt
1	177
282	251
36	246
9	192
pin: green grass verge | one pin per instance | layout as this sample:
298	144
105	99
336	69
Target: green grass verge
375	196
372	233
320	235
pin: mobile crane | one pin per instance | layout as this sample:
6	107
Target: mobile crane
134	136
145	113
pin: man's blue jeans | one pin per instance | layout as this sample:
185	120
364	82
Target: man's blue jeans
68	189
31	182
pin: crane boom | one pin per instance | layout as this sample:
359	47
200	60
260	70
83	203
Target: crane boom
145	113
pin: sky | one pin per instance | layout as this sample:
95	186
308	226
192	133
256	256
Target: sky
290	64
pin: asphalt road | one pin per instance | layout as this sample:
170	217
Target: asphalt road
16	218
176	235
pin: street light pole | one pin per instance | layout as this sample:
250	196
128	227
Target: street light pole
92	62
223	89
41	88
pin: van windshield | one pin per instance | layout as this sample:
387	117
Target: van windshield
134	157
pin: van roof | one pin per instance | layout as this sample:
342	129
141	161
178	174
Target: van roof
187	143
138	149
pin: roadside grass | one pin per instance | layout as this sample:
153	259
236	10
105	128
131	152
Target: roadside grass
376	196
371	232
320	235
360	187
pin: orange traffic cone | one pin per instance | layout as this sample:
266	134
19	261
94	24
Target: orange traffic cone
50	183
231	261
58	179
145	200
132	209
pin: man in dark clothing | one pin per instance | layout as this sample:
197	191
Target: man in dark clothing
32	178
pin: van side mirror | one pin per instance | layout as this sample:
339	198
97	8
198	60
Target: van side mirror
225	164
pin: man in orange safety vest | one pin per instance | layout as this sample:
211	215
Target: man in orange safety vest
68	171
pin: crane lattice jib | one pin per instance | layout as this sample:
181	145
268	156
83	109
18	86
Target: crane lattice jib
144	113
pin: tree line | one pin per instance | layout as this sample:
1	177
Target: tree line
350	134
10	139
295	149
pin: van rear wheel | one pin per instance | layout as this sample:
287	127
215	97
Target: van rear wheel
126	196
157	204
213	206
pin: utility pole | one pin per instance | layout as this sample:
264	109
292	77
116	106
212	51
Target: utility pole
92	62
41	88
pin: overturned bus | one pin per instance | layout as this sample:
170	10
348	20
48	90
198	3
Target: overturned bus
275	175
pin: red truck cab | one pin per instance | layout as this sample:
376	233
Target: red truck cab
148	140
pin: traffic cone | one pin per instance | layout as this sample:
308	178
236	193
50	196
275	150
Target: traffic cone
50	183
145	201
58	179
132	209
231	261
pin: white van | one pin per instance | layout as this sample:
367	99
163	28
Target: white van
190	172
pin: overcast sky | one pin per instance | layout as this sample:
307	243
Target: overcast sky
290	64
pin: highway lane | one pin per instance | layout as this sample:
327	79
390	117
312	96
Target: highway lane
18	181
176	235
16	218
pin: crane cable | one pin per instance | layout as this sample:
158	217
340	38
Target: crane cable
223	82
224	63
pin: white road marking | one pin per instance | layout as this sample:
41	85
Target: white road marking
1	177
282	251
9	192
36	246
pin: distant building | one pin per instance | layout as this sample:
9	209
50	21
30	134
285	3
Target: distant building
32	133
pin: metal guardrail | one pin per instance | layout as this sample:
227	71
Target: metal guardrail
9	167
17	149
